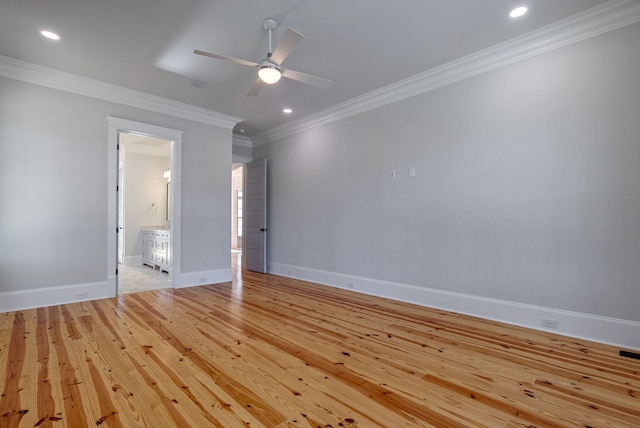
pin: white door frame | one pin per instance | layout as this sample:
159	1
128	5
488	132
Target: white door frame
244	160
117	125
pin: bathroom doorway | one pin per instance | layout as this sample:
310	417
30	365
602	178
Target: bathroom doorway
144	215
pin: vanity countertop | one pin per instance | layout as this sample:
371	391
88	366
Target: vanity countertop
155	227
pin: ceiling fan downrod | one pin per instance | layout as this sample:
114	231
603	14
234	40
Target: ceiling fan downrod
270	24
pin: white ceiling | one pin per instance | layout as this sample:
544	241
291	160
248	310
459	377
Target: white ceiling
362	45
145	145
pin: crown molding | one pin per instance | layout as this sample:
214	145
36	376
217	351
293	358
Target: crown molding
241	140
598	20
241	159
63	81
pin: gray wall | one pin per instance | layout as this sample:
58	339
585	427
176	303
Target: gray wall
526	185
53	187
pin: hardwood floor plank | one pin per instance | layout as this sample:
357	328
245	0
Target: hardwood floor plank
46	407
268	351
11	411
69	381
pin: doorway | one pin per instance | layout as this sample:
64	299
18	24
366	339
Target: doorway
144	215
116	127
237	214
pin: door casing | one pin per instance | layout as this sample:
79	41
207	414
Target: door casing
117	125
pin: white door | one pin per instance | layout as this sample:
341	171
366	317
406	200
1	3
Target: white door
256	216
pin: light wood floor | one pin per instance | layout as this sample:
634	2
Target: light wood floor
267	351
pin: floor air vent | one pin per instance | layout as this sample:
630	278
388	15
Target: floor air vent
634	355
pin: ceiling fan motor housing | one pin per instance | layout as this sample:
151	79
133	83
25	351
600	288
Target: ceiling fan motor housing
269	72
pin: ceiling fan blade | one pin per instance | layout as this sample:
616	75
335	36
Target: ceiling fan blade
316	81
227	58
286	45
257	85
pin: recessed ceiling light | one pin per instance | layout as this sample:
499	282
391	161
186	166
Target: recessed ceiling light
241	130
50	35
518	12
287	110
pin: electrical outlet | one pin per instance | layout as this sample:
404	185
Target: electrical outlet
203	280
351	285
392	174
549	323
412	171
82	295
290	272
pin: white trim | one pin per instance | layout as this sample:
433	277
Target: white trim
144	129
112	209
241	159
117	125
191	279
50	78
176	212
592	22
50	296
612	331
242	141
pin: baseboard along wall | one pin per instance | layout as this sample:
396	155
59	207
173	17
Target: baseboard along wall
611	331
49	296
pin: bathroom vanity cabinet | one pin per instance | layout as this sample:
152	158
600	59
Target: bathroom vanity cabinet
156	248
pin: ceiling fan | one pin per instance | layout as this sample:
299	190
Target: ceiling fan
270	68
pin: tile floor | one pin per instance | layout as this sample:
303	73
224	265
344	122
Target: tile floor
133	279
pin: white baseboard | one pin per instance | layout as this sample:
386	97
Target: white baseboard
111	286
49	296
133	260
611	331
40	297
176	277
191	279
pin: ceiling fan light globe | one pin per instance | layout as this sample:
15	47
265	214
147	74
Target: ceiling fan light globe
269	74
